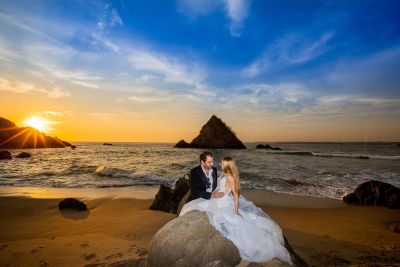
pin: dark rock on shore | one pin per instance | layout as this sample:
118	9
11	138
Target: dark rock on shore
260	146
394	227
23	155
73	146
72	203
12	136
190	240
375	193
168	199
5	155
107	144
214	134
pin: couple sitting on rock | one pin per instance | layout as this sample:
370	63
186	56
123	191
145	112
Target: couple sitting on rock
257	237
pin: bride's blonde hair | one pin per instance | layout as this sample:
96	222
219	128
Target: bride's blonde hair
230	167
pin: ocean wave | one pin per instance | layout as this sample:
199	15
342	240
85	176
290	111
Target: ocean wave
136	178
299	188
331	155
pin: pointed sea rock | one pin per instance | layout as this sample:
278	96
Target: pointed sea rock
214	134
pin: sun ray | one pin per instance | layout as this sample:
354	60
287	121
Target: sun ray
42	139
13	137
35	139
26	138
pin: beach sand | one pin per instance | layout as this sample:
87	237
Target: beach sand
119	226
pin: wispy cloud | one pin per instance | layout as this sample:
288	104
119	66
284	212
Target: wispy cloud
235	10
25	87
294	48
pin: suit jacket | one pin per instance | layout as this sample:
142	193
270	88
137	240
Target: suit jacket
198	183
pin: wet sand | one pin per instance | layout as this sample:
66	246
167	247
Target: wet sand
119	226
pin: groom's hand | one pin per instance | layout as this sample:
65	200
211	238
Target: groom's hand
217	194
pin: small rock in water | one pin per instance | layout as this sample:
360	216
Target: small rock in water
5	155
260	146
23	155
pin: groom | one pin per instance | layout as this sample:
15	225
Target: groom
203	179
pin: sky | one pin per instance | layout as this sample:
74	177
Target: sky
155	71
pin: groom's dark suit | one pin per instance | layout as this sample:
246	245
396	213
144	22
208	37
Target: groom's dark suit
199	182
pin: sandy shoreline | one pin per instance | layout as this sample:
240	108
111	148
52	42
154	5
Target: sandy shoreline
119	226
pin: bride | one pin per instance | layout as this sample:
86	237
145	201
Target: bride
257	237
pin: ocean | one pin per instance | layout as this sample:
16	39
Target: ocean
311	169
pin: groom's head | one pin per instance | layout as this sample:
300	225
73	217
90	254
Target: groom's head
206	160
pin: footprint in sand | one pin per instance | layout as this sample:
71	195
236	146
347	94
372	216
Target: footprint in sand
3	246
43	263
88	256
141	252
84	245
33	251
114	256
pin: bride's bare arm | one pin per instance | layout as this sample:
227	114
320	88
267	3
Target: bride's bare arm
231	183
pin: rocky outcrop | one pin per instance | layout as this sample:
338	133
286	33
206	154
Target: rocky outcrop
5	155
12	136
375	193
191	240
260	146
72	203
168	199
214	134
23	155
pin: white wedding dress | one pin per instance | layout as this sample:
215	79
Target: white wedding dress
257	237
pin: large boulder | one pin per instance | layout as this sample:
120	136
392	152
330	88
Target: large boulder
375	193
168	199
5	155
12	136
190	240
214	134
72	203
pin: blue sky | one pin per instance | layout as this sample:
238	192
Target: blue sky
327	67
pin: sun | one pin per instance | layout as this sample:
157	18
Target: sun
37	123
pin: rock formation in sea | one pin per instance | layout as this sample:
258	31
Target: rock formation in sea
375	193
214	134
190	240
12	136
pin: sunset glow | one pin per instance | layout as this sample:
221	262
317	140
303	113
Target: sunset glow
37	123
116	71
